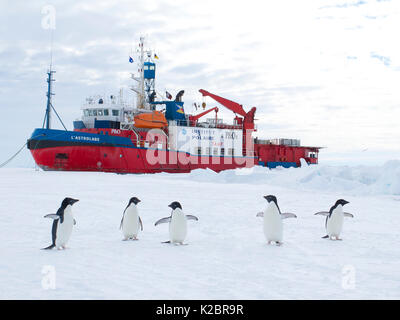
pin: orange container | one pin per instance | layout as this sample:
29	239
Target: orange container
156	119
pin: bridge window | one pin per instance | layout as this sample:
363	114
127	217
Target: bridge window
99	112
86	112
106	112
115	113
95	113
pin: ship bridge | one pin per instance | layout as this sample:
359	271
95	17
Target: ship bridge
103	112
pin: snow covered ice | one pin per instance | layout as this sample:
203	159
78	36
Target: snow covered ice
227	256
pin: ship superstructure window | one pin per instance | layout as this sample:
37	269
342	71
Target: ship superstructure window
222	151
208	151
95	113
230	151
115	113
198	150
215	151
86	112
99	112
106	112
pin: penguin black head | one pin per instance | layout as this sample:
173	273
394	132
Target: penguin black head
133	200
68	201
175	205
341	201
271	198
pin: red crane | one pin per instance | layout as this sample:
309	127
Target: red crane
198	116
248	117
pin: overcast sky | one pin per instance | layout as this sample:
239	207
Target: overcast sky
325	72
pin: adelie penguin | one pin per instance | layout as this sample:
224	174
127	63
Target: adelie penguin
273	226
62	224
131	222
334	219
177	223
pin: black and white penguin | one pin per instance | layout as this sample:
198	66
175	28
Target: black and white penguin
62	224
273	226
177	223
334	219
131	222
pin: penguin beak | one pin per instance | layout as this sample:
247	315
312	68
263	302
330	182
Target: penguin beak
268	198
73	201
170	205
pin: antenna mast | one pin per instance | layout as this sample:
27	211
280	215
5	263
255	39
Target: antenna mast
145	80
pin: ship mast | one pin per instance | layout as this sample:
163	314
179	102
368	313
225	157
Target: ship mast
47	118
145	86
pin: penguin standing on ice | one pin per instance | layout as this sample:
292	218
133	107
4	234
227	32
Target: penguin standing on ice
334	219
131	222
62	224
273	227
177	223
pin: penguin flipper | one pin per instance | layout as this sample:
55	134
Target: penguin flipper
322	213
122	221
141	224
325	237
74	222
346	214
163	220
260	214
191	217
52	216
286	215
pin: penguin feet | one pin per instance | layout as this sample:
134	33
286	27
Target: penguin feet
335	238
277	243
130	238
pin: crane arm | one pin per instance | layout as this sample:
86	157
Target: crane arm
231	105
198	116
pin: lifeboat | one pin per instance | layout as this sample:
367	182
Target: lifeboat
153	120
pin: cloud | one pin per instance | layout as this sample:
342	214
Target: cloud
304	67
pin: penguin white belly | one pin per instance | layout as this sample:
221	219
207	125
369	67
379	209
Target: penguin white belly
273	228
335	223
64	229
178	228
130	225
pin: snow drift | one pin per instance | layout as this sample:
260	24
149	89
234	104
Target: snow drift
359	180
